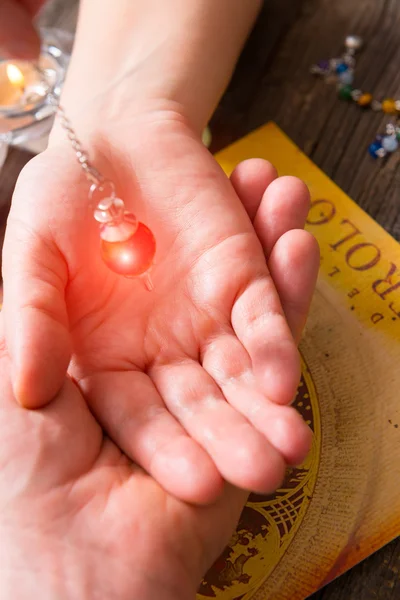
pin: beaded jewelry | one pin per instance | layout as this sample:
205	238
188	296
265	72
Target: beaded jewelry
341	71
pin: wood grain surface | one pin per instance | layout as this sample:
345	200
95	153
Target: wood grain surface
272	82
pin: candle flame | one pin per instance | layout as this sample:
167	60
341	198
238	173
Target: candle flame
15	75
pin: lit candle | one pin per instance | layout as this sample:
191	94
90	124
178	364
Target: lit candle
23	87
29	91
14	88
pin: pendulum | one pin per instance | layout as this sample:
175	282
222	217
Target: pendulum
341	71
128	246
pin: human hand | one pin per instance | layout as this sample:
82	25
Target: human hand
191	380
18	37
77	518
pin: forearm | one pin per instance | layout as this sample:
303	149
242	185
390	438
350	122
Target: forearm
183	51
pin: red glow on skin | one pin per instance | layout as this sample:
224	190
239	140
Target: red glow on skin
134	256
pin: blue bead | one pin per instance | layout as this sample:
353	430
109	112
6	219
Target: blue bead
390	143
374	148
342	68
346	77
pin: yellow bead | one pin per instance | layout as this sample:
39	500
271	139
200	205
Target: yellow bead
365	100
389	106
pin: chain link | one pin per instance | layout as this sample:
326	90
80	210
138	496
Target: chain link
92	174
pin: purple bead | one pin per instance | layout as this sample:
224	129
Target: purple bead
323	65
342	68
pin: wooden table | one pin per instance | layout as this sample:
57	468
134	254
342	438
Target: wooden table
272	82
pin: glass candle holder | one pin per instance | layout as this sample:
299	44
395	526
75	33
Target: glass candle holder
29	91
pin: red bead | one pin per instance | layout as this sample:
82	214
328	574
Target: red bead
134	256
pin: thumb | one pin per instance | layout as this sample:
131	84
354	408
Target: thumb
37	335
18	37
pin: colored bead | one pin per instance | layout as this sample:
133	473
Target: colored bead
109	209
323	65
346	78
390	129
315	70
389	106
376	105
389	143
345	92
132	257
365	100
353	42
374	147
376	150
356	95
341	68
349	60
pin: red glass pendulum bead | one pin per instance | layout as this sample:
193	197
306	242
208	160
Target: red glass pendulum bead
128	247
132	257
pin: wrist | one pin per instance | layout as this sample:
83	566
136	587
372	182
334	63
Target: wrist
150	51
132	86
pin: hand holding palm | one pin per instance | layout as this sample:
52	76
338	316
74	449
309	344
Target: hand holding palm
192	380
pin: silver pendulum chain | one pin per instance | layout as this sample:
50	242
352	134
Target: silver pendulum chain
118	225
109	209
90	171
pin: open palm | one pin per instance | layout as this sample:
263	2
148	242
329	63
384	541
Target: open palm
79	520
189	380
77	517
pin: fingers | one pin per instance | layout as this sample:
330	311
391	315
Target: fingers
284	206
275	205
18	37
35	276
139	423
281	206
259	322
250	179
294	264
226	360
33	456
36	320
281	209
242	455
293	254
